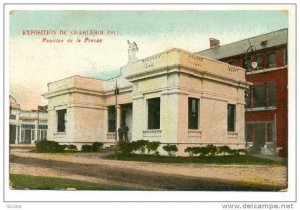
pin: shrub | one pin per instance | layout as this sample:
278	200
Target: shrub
239	152
86	148
125	147
48	146
202	151
140	145
189	150
170	149
152	146
193	150
71	147
211	149
97	146
224	150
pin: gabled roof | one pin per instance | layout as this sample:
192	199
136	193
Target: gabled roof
268	40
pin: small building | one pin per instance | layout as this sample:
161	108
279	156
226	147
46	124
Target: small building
173	97
25	127
267	98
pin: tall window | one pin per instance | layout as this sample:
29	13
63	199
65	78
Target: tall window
285	57
61	120
193	113
261	95
231	117
271	59
111	119
260	132
246	63
42	132
154	113
259	60
27	133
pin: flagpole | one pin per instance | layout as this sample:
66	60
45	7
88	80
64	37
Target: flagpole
116	118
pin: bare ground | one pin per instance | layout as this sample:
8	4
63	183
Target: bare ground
148	176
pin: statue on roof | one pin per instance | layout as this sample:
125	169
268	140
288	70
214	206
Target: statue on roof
132	49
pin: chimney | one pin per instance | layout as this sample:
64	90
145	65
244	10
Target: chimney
214	42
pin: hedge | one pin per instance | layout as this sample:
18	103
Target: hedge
138	146
211	150
86	148
71	147
97	146
171	149
48	146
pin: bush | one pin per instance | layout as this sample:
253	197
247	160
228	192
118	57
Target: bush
190	150
170	149
152	146
125	147
194	150
140	145
71	147
48	146
97	146
86	148
211	150
203	151
238	152
224	150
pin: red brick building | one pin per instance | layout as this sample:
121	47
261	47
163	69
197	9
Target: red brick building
265	59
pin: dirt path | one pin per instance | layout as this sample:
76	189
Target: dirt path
149	176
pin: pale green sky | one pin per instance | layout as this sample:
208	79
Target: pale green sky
151	23
33	64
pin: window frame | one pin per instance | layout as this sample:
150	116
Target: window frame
255	101
111	127
231	126
61	127
285	56
267	97
248	67
262	61
268	60
153	121
190	126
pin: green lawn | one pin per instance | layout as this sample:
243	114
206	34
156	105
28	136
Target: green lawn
21	182
243	159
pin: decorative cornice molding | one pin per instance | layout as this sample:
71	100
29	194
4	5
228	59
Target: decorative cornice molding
266	70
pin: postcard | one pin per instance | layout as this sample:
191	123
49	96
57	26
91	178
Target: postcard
157	102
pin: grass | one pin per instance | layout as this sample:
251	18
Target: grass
21	182
241	159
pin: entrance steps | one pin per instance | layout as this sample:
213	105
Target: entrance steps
269	149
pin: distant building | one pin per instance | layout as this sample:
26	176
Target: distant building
25	127
173	97
267	98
